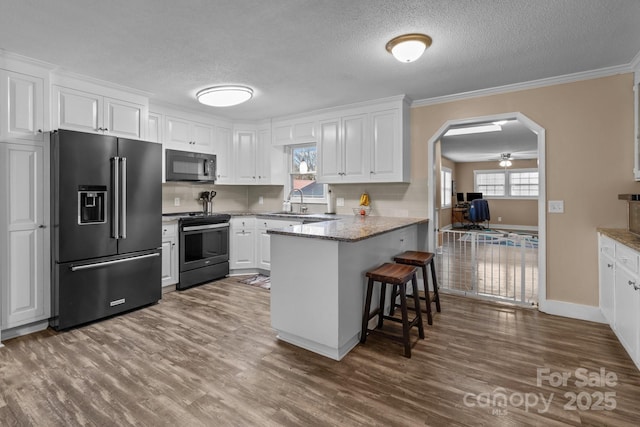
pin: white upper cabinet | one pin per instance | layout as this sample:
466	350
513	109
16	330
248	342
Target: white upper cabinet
298	131
368	144
187	135
245	156
263	156
90	112
154	127
223	149
22	110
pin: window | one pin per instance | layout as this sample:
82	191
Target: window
514	183
445	188
302	173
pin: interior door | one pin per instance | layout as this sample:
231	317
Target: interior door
141	192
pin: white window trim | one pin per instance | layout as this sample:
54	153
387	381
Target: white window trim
506	183
448	205
295	198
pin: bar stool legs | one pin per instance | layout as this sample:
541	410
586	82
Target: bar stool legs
422	260
398	276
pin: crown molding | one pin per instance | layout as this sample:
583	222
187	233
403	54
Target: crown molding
533	84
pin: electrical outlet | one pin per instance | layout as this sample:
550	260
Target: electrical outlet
340	201
261	200
176	201
556	206
499	219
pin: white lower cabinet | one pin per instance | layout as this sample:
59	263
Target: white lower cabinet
243	243
263	245
620	292
25	287
170	254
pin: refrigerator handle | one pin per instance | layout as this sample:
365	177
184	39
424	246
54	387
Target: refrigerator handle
123	218
115	223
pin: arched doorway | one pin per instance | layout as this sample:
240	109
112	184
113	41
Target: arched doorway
433	208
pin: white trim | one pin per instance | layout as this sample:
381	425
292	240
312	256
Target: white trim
508	227
574	311
550	81
25	330
542	219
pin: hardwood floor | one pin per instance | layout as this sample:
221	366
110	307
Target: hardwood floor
207	356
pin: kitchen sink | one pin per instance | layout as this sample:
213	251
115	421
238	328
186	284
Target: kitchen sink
290	213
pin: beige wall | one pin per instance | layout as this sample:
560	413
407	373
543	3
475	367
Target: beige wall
512	211
589	161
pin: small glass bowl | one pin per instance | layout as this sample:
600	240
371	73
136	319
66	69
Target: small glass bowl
362	210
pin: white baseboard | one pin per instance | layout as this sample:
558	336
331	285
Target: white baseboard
25	330
575	311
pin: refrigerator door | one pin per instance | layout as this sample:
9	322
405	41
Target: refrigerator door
82	198
91	290
141	195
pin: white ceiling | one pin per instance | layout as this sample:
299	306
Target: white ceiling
302	55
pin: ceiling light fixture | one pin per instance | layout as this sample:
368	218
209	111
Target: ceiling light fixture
505	160
408	47
224	96
473	129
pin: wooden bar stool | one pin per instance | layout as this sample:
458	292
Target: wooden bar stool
397	275
422	259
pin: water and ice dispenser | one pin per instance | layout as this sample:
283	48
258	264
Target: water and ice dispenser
92	204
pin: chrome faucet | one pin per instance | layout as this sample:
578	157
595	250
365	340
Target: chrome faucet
302	207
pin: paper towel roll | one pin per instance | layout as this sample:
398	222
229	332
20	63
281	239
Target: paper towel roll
331	203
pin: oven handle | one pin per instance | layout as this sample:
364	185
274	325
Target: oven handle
205	227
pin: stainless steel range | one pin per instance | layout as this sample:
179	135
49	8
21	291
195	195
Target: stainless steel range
204	247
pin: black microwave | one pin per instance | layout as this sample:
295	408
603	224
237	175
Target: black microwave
187	166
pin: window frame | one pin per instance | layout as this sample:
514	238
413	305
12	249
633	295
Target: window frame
507	183
446	202
295	198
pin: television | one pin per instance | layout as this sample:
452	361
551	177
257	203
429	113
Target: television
473	196
460	197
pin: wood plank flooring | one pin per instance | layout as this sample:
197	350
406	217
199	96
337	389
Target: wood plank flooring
208	357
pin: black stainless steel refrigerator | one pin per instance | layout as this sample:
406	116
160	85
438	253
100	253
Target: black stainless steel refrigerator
106	216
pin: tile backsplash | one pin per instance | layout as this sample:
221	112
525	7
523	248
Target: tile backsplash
228	197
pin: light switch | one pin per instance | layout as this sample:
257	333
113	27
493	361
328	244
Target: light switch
340	201
261	200
556	206
176	201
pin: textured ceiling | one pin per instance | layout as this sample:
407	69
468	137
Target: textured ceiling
302	55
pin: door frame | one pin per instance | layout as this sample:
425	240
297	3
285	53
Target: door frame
542	197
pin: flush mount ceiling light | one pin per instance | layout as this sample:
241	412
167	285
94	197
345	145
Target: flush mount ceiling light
408	47
505	160
224	96
473	129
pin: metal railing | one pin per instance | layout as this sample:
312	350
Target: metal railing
495	265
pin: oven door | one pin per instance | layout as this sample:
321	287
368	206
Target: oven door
203	245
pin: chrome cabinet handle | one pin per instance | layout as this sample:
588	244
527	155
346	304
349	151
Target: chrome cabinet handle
632	283
609	265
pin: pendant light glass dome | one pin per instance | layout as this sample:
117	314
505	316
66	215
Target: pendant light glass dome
224	96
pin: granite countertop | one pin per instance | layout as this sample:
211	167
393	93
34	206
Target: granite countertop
351	228
622	235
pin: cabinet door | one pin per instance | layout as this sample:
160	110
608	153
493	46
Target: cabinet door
244	243
22	107
245	158
606	273
77	110
154	128
178	133
355	147
264	249
223	149
627	310
202	136
123	118
386	146
330	167
263	157
25	295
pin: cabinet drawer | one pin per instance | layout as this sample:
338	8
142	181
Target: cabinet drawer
266	224
243	223
627	258
607	247
169	230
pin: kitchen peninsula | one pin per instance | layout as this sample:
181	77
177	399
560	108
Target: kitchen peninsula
318	276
